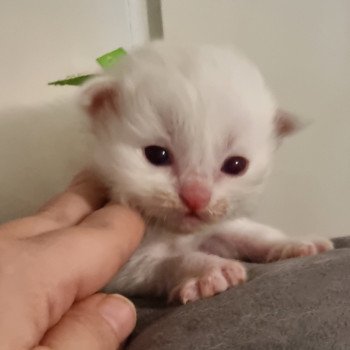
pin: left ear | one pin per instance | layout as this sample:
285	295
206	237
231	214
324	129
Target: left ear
100	97
286	123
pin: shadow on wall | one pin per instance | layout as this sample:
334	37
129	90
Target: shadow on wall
40	149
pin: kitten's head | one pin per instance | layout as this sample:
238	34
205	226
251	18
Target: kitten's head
184	134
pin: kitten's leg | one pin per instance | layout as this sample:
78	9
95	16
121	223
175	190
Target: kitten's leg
197	275
247	240
185	276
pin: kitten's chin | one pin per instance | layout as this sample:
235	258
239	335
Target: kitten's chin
185	224
190	223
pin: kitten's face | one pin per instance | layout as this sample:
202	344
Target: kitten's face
184	135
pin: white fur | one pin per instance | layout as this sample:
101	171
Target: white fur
204	104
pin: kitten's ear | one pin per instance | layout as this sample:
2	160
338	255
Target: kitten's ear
100	97
286	123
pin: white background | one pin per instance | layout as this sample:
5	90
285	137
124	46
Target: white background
45	40
41	138
303	49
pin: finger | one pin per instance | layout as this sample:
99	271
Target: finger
91	253
98	322
62	267
84	195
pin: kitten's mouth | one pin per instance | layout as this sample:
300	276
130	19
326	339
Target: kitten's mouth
193	215
193	219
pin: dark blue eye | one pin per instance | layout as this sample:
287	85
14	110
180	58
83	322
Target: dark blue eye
235	165
157	155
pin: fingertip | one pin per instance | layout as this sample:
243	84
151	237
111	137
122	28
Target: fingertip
120	314
100	321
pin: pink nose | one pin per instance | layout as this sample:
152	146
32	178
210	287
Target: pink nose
195	195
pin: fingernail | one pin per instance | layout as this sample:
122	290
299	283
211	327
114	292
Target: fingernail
119	313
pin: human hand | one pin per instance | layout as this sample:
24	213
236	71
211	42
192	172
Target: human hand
52	263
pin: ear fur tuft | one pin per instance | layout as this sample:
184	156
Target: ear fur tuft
100	98
286	123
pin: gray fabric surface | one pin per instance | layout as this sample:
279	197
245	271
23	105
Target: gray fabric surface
294	304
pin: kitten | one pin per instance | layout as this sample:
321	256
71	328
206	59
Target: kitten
186	135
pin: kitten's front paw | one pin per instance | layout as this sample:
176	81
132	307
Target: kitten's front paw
214	280
298	249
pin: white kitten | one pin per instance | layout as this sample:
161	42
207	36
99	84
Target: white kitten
186	135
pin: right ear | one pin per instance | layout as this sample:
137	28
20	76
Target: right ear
100	98
286	123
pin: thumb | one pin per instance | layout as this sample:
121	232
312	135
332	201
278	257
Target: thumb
98	322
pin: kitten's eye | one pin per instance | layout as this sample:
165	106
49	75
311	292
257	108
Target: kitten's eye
235	165
157	155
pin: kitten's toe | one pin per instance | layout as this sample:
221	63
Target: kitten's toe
298	249
185	292
227	274
234	272
213	281
323	245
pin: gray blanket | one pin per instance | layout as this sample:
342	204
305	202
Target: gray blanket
293	304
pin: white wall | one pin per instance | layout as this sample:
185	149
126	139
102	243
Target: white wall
45	40
303	49
41	139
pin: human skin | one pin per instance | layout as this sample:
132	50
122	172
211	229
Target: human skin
53	264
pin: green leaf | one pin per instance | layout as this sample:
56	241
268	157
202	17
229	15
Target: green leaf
108	59
77	80
105	61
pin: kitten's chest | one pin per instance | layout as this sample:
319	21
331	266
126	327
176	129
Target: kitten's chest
160	242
